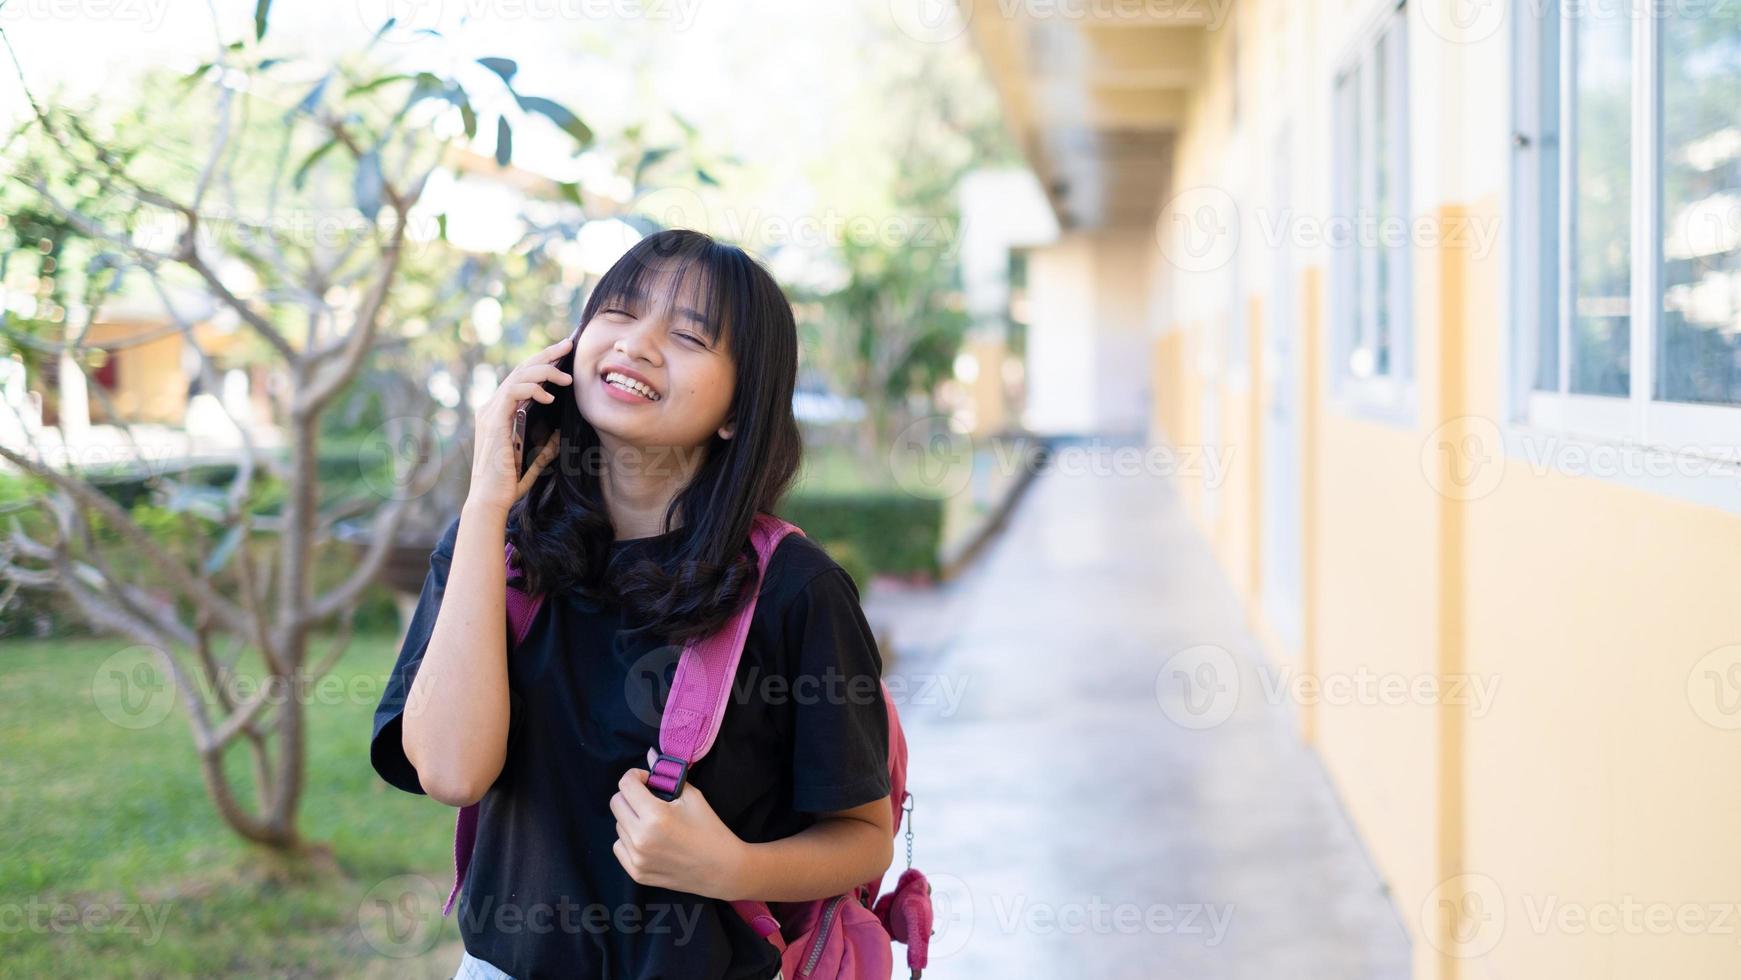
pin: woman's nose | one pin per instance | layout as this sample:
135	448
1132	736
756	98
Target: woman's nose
640	340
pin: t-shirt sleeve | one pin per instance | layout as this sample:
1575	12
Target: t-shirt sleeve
840	753
386	750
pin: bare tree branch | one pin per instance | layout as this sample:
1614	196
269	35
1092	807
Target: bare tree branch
190	257
184	582
362	334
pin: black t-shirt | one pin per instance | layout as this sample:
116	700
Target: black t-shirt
806	732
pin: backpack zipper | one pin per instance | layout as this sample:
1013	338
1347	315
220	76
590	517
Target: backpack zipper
821	934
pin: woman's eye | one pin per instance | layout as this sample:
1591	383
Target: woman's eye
616	311
691	338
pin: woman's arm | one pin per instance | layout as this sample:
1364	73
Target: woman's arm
683	845
455	730
837	853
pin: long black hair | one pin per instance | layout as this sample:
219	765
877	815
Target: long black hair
560	529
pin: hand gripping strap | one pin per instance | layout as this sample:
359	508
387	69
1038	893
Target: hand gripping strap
522	609
702	687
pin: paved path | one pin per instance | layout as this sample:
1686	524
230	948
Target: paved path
1072	826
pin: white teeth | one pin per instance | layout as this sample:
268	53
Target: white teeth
630	384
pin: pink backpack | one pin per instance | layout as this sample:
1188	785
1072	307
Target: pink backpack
845	937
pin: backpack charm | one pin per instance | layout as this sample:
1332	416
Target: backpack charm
906	914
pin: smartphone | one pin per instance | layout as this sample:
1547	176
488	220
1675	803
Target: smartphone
534	420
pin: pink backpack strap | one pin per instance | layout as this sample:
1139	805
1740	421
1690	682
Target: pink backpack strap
522	609
702	687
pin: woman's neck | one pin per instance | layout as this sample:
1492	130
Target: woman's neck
638	486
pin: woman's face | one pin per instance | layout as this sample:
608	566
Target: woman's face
659	341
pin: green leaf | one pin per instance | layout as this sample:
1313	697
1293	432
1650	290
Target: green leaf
469	116
441	226
199	501
505	67
312	99
220	555
705	177
386	26
649	157
261	9
567	121
367	184
197	74
504	141
300	177
570	192
375	83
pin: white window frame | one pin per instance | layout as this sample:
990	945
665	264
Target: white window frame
1391	396
1636	422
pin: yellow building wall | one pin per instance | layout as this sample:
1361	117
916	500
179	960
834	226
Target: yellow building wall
1593	781
149	384
1590	785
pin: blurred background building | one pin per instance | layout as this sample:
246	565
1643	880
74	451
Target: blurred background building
1461	282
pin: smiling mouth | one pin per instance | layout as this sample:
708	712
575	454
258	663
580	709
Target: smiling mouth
628	384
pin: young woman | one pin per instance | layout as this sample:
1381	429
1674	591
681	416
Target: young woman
676	428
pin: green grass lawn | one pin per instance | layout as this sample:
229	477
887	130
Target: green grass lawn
104	822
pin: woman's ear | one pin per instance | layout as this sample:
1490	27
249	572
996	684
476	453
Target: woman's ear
725	431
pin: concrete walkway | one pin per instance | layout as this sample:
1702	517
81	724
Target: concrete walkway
1074	818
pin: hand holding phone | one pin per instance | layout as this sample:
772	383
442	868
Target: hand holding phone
535	420
516	427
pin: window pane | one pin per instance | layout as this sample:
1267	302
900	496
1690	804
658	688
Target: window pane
1383	181
1369	238
1602	275
1546	309
1347	243
1699	348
